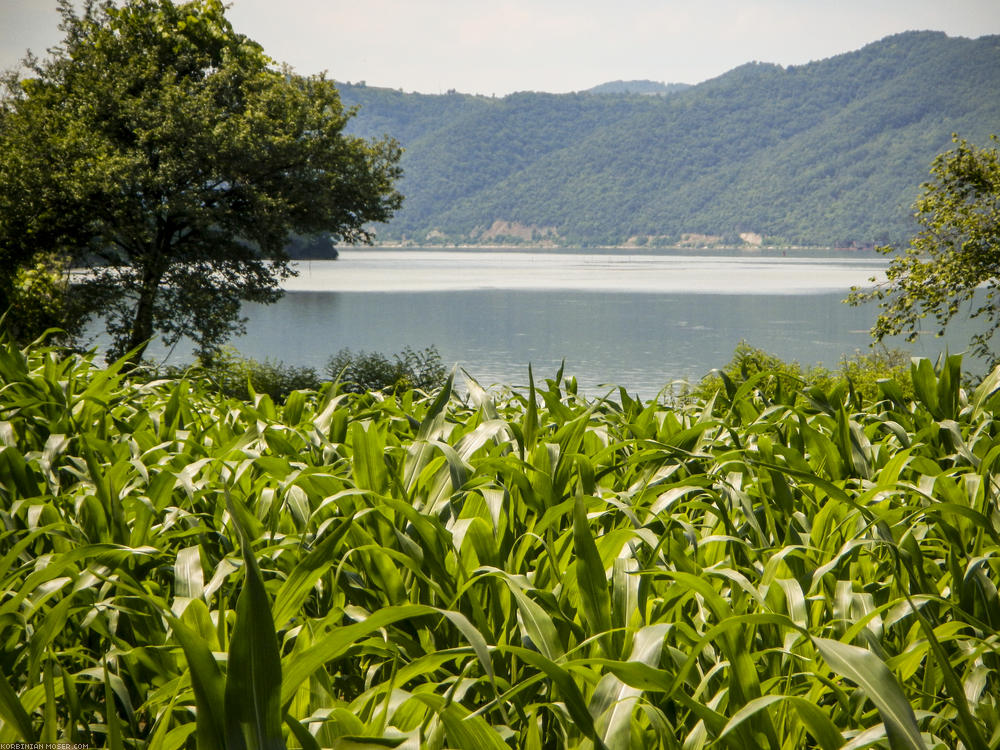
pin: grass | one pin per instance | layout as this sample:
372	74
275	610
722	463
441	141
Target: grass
751	568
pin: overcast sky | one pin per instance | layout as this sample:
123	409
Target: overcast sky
500	46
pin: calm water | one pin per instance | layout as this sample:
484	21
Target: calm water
638	320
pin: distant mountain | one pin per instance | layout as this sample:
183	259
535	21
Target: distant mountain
828	153
638	87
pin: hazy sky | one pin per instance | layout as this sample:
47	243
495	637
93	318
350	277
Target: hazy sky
500	46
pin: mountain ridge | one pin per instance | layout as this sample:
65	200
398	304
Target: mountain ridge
643	86
829	153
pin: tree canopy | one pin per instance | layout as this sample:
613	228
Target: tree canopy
174	156
954	260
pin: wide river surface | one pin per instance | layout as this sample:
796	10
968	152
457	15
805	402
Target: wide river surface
637	319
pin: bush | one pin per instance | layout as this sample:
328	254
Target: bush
41	301
783	380
234	375
372	371
864	370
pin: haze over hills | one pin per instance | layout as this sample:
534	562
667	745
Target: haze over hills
828	153
638	87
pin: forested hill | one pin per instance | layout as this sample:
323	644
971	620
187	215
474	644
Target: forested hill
828	153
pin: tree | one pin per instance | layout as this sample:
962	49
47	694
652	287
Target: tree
170	153
954	259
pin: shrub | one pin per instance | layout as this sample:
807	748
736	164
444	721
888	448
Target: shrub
780	380
41	301
372	371
864	370
234	375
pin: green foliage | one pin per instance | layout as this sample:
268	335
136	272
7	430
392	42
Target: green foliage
372	371
953	263
242	377
820	154
865	370
789	382
315	247
169	151
495	569
40	299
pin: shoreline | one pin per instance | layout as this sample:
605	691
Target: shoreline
630	248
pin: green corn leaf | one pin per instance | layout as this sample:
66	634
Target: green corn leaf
468	730
111	719
537	625
189	578
369	461
474	637
159	739
253	680
208	684
71	694
463	728
50	718
304	737
291	414
984	391
870	673
925	384
418	455
948	386
529	427
434	416
18	472
624	599
591	577
307	572
568	690
338	640
968	728
362	742
13	713
614	701
55	621
458	470
817	723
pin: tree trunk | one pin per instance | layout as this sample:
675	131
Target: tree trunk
142	323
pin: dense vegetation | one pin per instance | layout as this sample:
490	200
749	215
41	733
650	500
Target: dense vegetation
768	567
168	154
232	374
829	153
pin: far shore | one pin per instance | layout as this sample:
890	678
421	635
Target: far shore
632	248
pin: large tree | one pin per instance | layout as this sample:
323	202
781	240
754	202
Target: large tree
170	153
953	262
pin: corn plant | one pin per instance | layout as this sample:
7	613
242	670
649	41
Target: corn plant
491	569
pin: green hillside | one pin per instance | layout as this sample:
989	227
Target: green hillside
828	153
